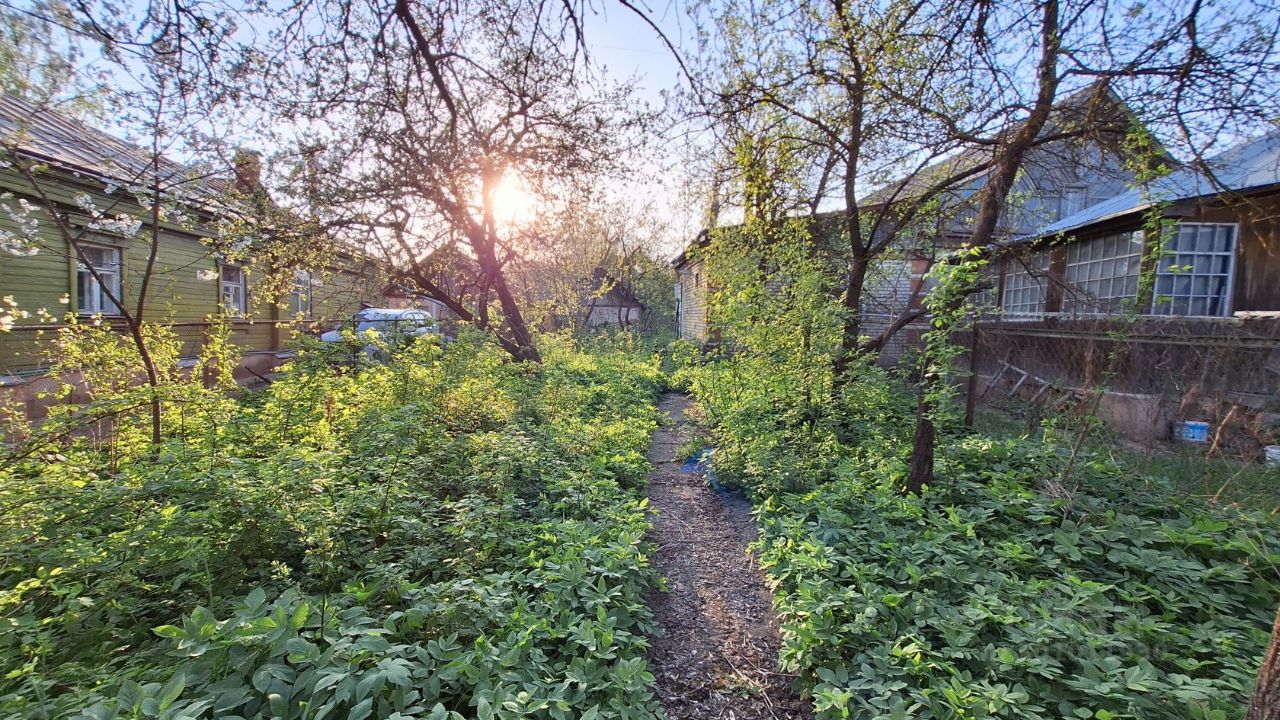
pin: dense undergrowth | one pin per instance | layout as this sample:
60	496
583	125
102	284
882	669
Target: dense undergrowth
987	596
444	535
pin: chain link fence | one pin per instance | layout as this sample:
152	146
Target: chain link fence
1153	380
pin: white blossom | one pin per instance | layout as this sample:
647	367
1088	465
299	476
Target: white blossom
207	275
11	314
23	242
122	224
84	201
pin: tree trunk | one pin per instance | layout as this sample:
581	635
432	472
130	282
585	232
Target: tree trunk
853	318
922	445
995	194
1265	704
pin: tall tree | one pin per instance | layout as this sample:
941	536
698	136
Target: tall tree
861	95
413	124
1079	42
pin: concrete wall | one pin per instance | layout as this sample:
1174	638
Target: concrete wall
1155	373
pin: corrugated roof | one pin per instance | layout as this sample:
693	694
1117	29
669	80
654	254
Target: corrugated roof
48	135
1248	166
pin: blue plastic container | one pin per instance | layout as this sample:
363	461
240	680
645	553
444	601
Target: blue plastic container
1195	431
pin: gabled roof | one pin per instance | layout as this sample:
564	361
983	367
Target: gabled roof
703	238
1250	166
45	134
700	240
1094	105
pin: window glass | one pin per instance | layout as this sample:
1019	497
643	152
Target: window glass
300	299
93	294
1025	281
235	293
1102	273
1193	275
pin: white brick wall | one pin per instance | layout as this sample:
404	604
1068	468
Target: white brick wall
693	303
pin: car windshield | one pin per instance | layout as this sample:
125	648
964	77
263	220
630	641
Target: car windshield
389	320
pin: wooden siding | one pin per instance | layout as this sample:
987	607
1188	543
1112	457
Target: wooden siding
339	292
1257	276
888	293
178	295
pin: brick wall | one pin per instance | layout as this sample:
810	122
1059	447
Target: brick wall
693	303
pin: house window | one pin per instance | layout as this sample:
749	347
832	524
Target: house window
1102	273
1074	200
1194	274
300	299
93	294
1024	285
235	292
984	301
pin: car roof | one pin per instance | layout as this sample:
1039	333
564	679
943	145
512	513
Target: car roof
390	313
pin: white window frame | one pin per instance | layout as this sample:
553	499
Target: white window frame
301	299
1067	193
1081	271
1165	309
95	300
1032	284
230	304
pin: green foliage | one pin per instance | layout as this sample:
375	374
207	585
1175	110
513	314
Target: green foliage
985	597
442	535
769	394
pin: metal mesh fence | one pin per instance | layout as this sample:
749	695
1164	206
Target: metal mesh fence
1214	382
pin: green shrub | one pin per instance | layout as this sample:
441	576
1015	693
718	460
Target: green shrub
443	533
985	597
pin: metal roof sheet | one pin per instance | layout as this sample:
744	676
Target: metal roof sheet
1248	166
46	134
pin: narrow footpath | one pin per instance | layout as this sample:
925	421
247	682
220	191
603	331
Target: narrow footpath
716	652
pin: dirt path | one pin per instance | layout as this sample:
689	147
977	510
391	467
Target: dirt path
716	654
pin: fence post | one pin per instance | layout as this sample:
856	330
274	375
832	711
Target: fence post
970	399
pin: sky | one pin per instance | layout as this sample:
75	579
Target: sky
622	42
622	46
625	46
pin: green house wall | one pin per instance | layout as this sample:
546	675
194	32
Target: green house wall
178	295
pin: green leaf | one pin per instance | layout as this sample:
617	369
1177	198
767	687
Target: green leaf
256	599
130	696
362	710
172	690
169	631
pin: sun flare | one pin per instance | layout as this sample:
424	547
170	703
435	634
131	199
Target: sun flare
513	204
